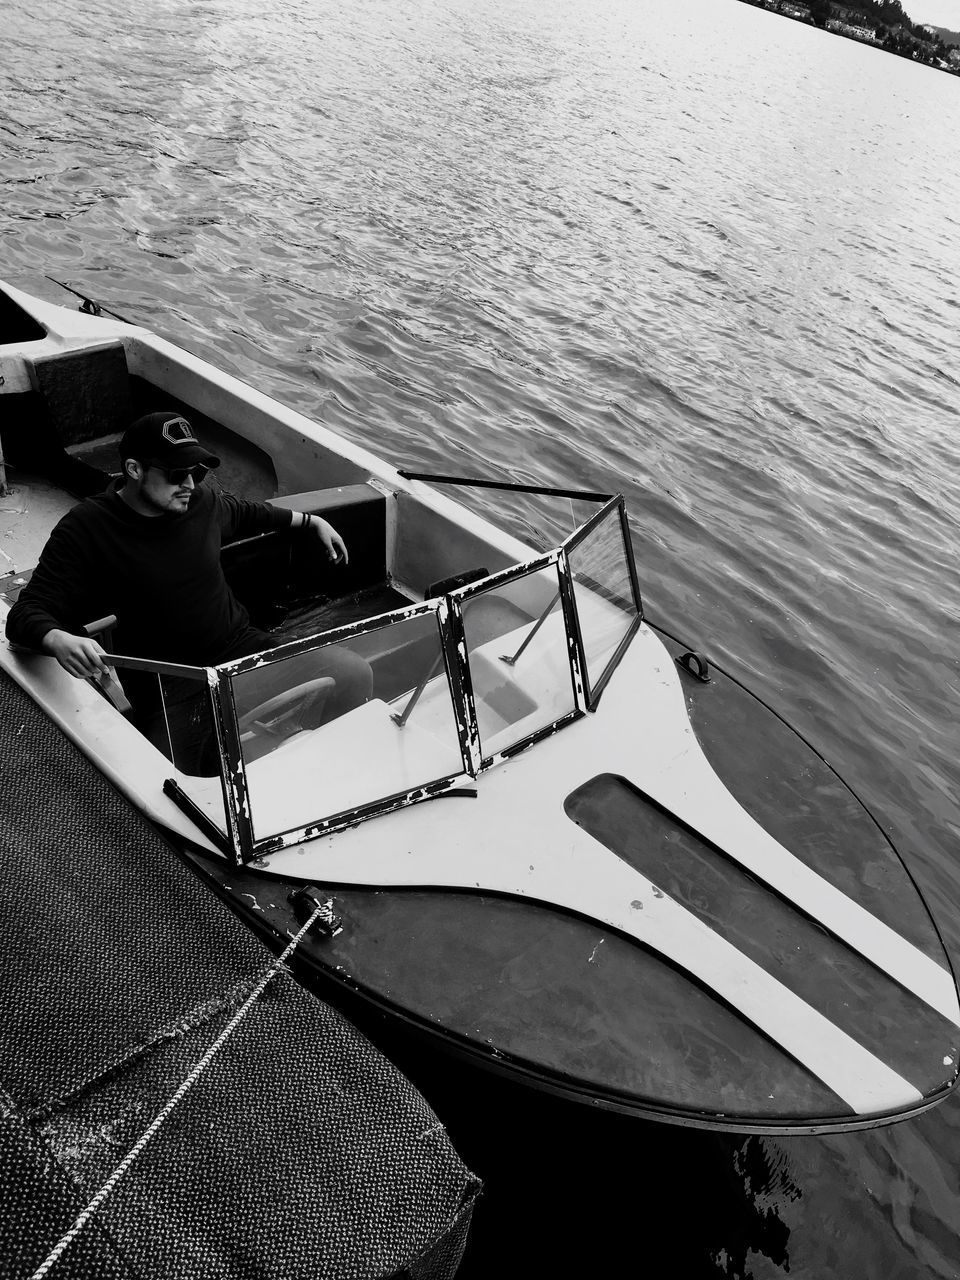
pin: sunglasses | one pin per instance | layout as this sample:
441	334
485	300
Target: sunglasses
177	475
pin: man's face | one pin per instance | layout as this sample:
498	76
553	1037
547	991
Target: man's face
167	491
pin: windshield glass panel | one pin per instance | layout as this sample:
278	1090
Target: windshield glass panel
519	660
603	590
322	731
176	714
181	722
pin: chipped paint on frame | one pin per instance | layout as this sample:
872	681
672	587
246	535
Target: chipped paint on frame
233	773
267	657
575	650
452	786
454	642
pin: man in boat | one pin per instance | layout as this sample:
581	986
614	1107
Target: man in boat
148	551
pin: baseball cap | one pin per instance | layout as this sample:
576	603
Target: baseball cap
164	439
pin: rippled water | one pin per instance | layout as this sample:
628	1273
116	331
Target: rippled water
691	251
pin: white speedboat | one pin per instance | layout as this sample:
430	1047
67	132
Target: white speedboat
554	843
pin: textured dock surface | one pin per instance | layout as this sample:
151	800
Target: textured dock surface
300	1151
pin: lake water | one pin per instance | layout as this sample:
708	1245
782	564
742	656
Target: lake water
691	251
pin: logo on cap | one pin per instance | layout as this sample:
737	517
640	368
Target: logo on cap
178	431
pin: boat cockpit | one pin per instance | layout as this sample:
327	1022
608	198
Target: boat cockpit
468	677
482	667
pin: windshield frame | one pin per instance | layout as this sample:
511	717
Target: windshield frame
238	840
504	577
233	766
592	691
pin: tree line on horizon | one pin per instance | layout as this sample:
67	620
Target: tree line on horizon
893	29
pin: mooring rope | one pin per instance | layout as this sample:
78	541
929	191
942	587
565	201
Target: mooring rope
159	1119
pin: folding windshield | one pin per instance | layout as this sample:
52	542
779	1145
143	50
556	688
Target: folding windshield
522	680
320	733
317	742
605	593
313	737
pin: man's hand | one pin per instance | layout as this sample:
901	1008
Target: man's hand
334	545
77	654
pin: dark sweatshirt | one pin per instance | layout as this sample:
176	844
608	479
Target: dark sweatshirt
160	575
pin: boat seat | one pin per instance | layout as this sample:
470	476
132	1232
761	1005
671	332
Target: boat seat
358	512
278	566
51	398
87	393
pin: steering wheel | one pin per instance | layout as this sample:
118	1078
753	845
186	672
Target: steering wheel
290	711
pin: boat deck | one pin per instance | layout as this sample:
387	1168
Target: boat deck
28	511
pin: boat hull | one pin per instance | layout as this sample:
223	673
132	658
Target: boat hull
667	905
560	1003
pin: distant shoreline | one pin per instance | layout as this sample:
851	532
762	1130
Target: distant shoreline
879	23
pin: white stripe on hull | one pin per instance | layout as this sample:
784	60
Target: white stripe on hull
525	845
723	822
861	1079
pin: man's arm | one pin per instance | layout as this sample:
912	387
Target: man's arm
242	519
49	612
80	655
333	544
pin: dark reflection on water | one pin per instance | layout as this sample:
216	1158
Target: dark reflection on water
570	1191
696	253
